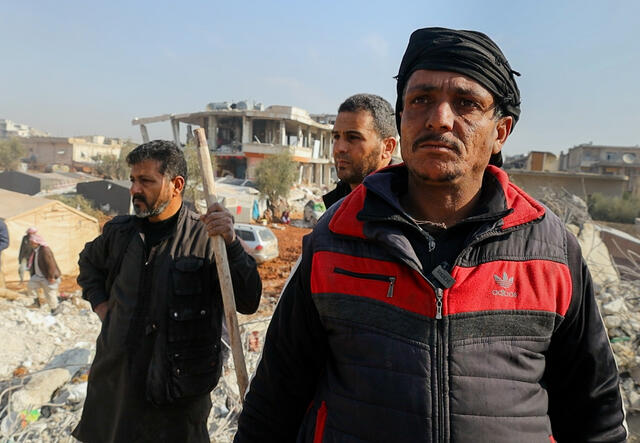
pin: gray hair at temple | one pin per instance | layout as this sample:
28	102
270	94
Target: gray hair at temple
381	111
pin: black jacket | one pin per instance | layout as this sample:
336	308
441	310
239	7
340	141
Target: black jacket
372	341
341	190
158	353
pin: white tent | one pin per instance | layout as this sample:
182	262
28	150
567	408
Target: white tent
65	229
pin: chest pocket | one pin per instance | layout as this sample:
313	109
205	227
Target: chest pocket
190	365
190	306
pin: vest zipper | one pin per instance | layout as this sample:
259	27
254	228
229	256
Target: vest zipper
439	338
440	365
379	277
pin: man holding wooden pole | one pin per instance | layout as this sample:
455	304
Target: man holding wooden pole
152	280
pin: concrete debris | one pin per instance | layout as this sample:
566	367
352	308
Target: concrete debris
71	393
614	307
41	397
571	209
39	389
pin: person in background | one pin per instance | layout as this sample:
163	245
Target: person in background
364	138
44	270
25	252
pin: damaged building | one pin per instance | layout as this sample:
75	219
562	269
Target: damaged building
240	135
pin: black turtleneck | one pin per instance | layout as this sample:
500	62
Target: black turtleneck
155	232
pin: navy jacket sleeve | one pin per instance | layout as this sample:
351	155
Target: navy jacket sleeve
247	286
4	236
584	396
292	360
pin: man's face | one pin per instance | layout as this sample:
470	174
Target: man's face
448	129
358	150
151	191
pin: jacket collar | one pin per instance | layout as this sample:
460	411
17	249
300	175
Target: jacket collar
377	198
342	190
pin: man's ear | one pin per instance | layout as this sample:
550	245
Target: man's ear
178	184
388	146
503	129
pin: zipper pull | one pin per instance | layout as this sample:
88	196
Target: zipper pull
392	280
442	275
438	303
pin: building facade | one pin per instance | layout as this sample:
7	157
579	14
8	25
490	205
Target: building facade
607	160
74	151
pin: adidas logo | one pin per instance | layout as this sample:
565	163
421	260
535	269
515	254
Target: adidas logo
504	282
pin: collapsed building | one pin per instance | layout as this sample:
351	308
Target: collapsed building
240	135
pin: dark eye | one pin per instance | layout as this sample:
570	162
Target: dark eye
468	104
419	100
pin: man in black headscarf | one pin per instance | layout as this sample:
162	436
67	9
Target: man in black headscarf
439	302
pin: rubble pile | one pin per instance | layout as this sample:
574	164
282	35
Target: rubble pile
43	367
41	397
299	195
620	309
617	298
571	209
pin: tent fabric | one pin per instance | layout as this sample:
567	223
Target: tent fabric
66	229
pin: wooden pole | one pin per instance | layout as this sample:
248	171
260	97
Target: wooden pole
222	263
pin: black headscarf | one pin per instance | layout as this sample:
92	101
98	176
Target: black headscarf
469	53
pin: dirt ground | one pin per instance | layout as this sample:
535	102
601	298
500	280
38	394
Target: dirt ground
274	273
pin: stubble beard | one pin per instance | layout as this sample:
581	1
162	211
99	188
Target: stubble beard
366	166
150	212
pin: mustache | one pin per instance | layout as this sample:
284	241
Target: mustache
139	197
451	143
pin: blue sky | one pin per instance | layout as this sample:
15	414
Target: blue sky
74	68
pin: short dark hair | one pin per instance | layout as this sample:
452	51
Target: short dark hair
171	158
380	109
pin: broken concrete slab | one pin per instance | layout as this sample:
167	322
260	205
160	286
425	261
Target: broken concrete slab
39	389
614	307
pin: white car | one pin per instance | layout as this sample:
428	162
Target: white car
258	241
